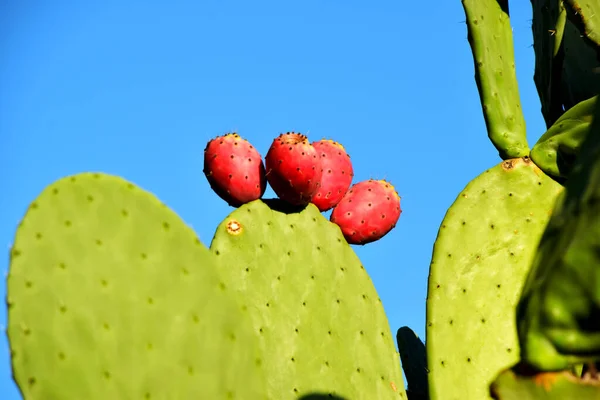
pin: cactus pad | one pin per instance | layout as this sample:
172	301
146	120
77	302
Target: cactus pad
112	296
490	37
480	260
321	325
556	151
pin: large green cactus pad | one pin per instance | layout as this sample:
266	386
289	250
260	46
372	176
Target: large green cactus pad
480	259
321	325
112	296
563	385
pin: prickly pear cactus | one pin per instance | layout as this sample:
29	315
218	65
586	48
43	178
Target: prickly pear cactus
480	259
112	296
320	324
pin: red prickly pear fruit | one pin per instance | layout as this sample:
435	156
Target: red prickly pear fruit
336	176
368	211
234	169
293	168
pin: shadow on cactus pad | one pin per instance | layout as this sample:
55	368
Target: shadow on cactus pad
316	396
283	206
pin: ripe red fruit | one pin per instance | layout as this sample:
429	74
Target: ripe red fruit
234	169
337	174
293	168
368	211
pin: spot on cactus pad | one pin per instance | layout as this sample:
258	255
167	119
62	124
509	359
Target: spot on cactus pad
321	325
112	296
483	251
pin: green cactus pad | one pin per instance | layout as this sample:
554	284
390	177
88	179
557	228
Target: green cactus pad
585	14
414	363
490	37
321	324
480	260
548	26
112	296
559	312
556	150
580	77
510	385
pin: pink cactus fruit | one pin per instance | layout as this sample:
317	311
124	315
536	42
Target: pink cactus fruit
234	169
293	168
368	211
336	176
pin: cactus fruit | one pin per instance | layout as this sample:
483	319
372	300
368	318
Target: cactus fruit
480	259
320	323
234	169
368	211
111	296
336	177
293	168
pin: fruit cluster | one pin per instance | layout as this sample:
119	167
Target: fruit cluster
300	172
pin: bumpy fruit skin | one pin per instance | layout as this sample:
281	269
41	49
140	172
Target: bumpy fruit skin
234	169
293	168
336	177
368	211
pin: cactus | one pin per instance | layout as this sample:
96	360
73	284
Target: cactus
558	315
480	258
112	296
320	323
489	236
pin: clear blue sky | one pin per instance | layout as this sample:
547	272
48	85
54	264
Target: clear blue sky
137	88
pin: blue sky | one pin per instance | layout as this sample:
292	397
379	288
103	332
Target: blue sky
137	89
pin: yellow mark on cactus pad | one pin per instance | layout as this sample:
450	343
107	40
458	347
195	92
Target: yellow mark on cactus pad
393	385
234	227
546	379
